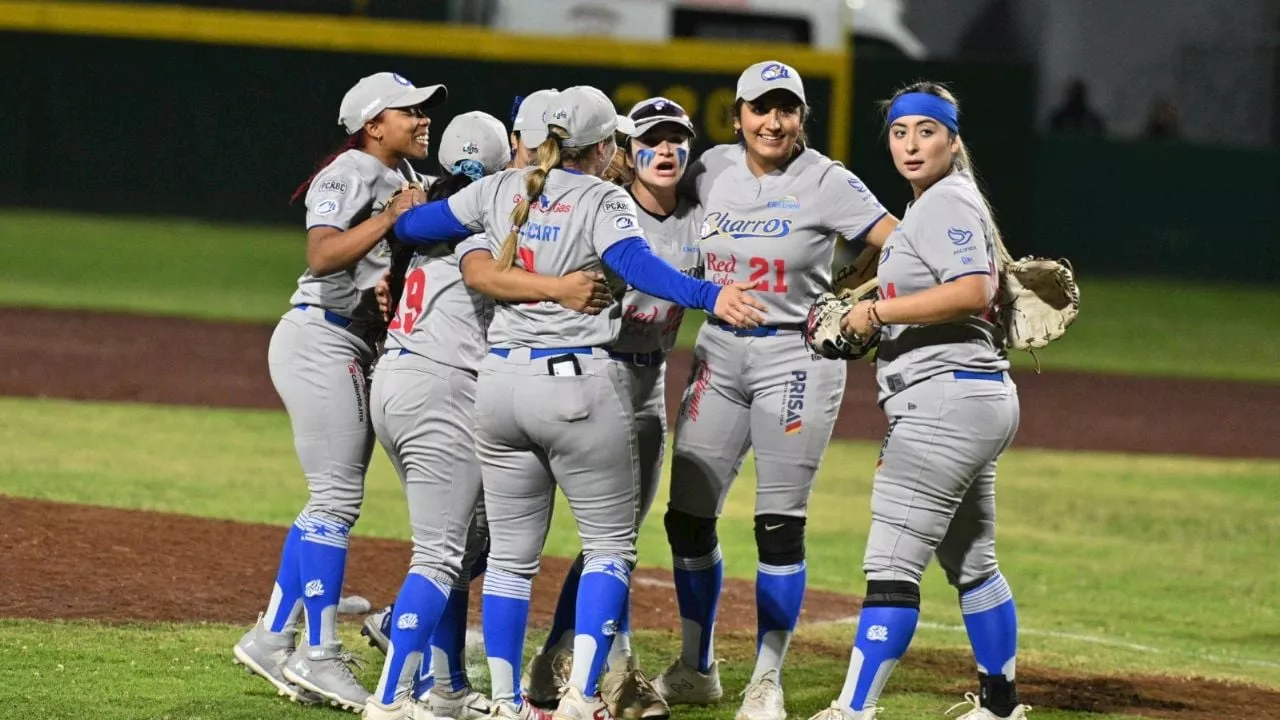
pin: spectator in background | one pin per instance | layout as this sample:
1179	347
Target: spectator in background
1074	114
1162	121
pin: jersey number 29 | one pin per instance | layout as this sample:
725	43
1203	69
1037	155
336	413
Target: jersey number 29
415	288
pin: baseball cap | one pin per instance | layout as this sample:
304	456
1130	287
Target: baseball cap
380	91
648	114
588	115
476	136
769	75
528	120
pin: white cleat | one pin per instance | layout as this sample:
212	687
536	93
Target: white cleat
576	706
977	712
327	672
546	676
264	653
523	711
464	704
401	709
680	684
763	699
835	712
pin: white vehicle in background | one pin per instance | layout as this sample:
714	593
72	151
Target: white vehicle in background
820	24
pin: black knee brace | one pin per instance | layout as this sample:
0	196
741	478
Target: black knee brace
892	593
690	536
780	539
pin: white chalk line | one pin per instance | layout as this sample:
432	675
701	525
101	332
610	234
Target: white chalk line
1093	640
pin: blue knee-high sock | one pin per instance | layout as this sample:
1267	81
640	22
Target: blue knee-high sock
504	615
449	643
322	562
779	595
884	633
601	595
991	620
620	652
415	615
698	581
563	621
286	596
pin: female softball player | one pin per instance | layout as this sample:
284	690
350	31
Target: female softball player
952	407
319	356
528	131
552	406
773	209
656	156
423	400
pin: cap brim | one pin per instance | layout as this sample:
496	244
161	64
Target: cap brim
644	126
626	125
428	96
756	93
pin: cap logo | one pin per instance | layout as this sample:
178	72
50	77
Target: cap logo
470	148
560	114
775	71
401	79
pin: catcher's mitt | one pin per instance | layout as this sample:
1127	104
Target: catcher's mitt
1039	301
824	332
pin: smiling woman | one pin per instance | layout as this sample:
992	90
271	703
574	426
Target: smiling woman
320	356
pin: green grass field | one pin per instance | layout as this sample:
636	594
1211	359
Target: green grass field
237	272
1121	564
1114	558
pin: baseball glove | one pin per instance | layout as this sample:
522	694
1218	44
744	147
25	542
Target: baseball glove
824	332
1039	301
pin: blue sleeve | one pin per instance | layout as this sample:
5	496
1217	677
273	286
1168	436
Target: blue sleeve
430	223
635	262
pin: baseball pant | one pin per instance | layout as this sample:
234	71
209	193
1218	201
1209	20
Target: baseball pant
424	416
649	398
934	489
320	372
768	393
534	431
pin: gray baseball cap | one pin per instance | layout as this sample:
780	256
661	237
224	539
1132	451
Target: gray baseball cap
380	91
769	75
475	136
649	114
588	115
529	123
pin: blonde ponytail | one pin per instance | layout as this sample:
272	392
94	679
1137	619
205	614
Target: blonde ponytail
548	159
964	163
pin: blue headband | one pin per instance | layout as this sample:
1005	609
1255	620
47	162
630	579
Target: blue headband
928	105
473	169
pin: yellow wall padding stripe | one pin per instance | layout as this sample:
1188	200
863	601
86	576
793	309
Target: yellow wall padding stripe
329	33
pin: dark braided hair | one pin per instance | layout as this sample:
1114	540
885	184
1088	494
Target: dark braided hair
445	186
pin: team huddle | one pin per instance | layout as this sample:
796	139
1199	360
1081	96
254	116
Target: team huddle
519	308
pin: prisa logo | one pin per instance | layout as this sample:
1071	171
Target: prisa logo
793	403
719	223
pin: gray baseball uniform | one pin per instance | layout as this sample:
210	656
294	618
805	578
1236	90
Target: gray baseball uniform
550	403
764	389
650	326
320	352
951	405
423	406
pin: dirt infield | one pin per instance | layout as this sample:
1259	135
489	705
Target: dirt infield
74	561
94	356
